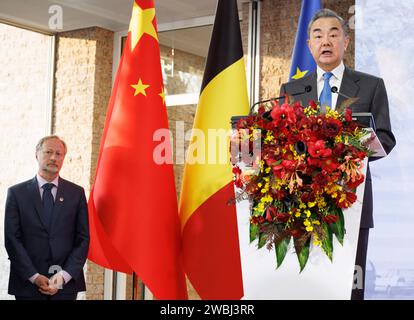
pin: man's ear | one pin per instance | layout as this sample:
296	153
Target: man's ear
347	40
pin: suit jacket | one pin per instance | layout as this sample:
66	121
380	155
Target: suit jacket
33	248
372	98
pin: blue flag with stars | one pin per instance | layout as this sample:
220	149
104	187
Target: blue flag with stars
302	61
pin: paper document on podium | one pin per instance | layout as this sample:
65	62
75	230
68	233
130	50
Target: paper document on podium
374	144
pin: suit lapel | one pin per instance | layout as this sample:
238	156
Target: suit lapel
349	87
33	187
59	202
313	94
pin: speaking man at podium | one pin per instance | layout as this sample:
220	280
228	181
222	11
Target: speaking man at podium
331	84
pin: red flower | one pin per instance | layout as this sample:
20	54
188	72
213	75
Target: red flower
348	115
329	164
283	114
237	177
320	181
282	217
270	213
317	149
312	104
331	127
285	166
278	194
345	200
338	150
330	218
353	185
307	197
296	233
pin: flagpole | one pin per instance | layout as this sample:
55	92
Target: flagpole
114	283
134	286
138	288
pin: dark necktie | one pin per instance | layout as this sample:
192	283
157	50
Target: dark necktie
48	202
326	94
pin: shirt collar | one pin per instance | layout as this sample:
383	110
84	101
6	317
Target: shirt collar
41	181
337	72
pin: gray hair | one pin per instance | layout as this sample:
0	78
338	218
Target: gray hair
44	139
327	13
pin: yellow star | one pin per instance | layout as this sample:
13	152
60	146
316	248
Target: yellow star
299	74
162	95
139	88
141	22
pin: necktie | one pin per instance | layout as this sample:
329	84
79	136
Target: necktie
325	98
48	202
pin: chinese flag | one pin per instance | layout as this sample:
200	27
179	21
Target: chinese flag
133	212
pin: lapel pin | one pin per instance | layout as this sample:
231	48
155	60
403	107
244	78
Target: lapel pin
61	199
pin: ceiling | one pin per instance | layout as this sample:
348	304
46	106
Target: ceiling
115	15
109	14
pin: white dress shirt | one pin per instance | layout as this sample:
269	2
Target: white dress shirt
334	81
40	181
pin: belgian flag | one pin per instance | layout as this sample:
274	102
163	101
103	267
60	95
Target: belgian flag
211	251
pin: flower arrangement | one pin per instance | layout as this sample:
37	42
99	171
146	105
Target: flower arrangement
305	174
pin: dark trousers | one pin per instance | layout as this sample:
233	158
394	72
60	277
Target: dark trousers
361	261
57	296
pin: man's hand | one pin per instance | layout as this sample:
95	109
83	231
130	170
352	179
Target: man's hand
43	283
56	282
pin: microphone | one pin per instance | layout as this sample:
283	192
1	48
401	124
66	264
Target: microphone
307	89
335	90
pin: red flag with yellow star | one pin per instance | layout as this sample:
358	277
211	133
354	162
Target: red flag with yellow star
133	213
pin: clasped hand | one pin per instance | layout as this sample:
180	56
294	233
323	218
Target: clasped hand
49	286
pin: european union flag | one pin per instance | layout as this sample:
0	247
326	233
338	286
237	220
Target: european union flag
302	61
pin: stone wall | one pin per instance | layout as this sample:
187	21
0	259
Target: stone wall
83	82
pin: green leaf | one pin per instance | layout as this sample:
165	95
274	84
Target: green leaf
276	163
338	228
262	239
254	230
303	255
326	241
281	249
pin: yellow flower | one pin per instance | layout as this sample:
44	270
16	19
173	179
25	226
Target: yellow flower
302	205
321	202
269	137
317	242
332	114
309	228
311	204
308	213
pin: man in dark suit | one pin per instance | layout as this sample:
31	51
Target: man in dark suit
46	230
328	40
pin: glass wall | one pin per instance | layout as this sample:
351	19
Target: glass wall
380	26
25	99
